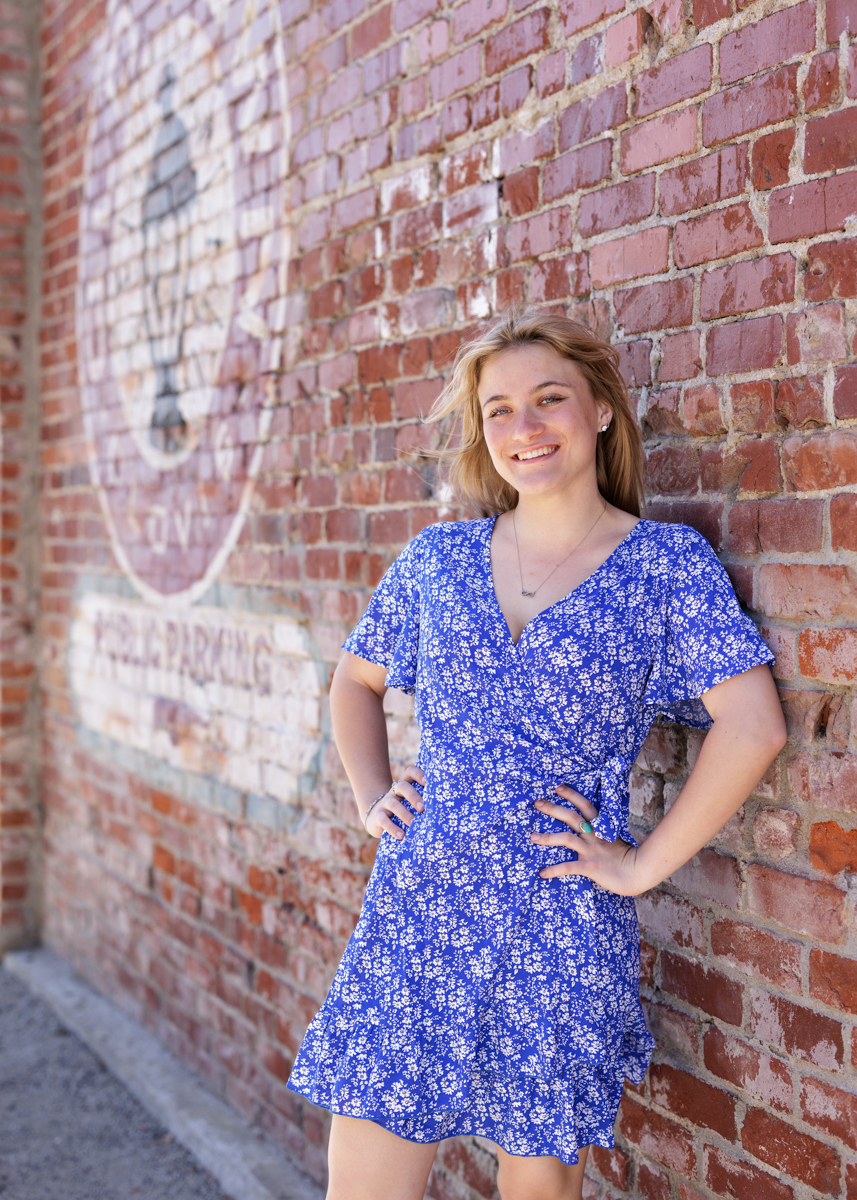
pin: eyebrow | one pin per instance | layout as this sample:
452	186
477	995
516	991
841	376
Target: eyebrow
538	388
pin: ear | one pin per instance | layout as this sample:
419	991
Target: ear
605	414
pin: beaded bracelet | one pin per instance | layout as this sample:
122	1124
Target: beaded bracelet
377	800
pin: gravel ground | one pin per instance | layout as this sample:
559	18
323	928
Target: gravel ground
68	1129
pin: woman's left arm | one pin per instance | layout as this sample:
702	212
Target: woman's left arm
747	734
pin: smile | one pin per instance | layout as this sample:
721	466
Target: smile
541	452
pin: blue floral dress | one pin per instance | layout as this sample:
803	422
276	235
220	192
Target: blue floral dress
475	997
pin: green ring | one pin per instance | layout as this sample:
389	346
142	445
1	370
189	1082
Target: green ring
585	827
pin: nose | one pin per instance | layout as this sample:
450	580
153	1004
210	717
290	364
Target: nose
528	422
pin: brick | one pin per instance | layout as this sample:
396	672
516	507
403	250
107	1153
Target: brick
467	210
798	590
799	402
830	143
704	180
355	210
672	471
797	1030
793	1153
684	1095
588	59
521	192
580	14
550	73
668	919
821	87
624	38
473	16
653	1183
518	40
710	875
803	905
612	207
824	460
406	191
815	716
702	415
514	89
845	393
718	234
702	987
458	171
833	849
766	100
741	1180
771	159
645	253
659	140
679	78
753	406
663	417
635	362
613	1165
579	168
656	1136
521	148
841	18
745	345
828	655
831	270
454	74
680	359
410	12
655	306
775	831
555	278
746	286
588	118
545	232
820	206
843	522
830	1109
757	952
762	1077
485	106
757	465
416	228
829	781
833	980
768	42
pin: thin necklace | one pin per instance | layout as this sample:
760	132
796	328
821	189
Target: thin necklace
524	591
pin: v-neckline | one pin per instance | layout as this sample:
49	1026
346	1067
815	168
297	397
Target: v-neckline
486	550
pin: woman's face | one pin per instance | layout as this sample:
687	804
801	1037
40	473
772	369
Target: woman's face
540	420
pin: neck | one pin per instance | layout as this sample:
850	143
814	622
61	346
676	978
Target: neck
553	520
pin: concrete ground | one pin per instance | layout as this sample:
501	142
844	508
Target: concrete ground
68	1129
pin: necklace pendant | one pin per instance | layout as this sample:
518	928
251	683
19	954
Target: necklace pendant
523	593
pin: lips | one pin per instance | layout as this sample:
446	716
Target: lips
536	454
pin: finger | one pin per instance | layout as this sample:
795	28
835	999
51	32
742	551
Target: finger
572	817
410	793
395	808
386	825
412	771
560	869
580	802
556	839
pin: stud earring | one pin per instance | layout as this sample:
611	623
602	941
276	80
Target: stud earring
604	428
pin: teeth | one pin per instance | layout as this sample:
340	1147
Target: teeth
527	454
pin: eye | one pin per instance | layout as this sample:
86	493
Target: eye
495	412
551	399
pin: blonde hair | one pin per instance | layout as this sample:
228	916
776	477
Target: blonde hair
473	476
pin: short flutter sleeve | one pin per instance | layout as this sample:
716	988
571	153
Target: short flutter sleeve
388	633
705	638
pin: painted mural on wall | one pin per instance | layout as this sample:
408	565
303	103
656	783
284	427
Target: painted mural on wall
180	321
181	278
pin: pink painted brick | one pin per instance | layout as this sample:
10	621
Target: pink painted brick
659	140
644	253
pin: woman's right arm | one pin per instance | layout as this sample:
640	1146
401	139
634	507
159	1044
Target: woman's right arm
360	731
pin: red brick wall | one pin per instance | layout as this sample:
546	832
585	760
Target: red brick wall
20	233
682	177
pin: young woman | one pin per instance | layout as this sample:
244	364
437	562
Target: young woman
491	985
